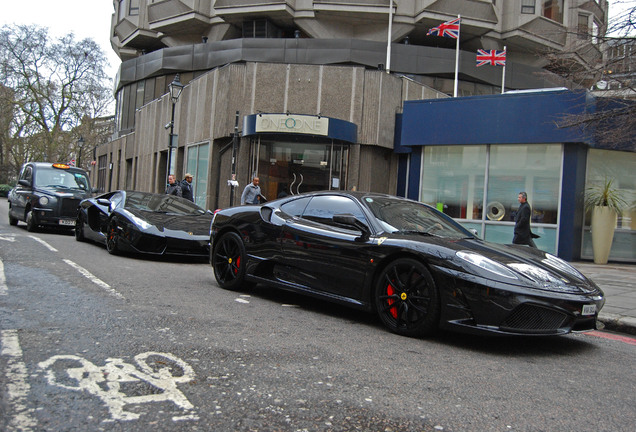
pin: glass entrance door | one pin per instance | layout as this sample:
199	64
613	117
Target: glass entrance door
289	168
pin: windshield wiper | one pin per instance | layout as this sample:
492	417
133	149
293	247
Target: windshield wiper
425	233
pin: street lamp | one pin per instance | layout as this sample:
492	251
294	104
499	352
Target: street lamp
80	145
175	88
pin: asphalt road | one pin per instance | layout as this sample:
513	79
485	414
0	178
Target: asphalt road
96	342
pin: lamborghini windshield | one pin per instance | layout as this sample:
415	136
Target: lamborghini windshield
410	217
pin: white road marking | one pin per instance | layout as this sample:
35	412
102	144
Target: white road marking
88	275
10	238
17	386
3	280
161	375
51	248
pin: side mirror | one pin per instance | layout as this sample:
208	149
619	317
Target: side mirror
352	221
103	202
24	183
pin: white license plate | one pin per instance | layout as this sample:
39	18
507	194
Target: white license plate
589	309
68	222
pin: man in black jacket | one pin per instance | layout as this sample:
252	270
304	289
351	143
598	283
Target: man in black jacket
174	188
523	235
186	187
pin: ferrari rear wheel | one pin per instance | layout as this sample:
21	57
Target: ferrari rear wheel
112	237
228	262
407	299
79	228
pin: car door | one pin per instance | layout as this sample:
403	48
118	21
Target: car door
22	193
323	255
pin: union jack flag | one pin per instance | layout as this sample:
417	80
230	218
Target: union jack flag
491	57
448	29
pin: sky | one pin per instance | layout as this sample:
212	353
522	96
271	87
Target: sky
91	18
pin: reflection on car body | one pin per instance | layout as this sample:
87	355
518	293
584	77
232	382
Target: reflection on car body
417	268
142	222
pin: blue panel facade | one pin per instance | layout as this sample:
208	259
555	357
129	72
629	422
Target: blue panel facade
530	117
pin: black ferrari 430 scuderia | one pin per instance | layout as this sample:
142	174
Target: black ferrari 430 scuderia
416	267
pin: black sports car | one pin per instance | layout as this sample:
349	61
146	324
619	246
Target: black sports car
141	222
416	267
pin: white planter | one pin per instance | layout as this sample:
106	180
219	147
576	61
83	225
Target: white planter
603	225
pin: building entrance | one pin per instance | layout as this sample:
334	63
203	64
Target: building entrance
293	167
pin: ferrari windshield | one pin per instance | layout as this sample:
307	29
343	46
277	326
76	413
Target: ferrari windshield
161	203
54	177
404	216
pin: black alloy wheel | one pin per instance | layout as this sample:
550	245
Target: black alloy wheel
79	228
228	261
407	299
32	226
112	238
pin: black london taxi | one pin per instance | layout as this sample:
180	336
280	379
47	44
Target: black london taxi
48	194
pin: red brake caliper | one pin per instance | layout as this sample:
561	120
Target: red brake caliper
238	264
390	291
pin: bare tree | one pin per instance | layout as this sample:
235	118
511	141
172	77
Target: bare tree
602	57
50	85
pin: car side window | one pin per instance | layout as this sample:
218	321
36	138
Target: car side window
322	208
295	207
27	174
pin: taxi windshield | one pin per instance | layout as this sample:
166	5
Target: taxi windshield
53	177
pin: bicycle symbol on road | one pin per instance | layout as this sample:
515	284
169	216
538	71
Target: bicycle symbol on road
157	378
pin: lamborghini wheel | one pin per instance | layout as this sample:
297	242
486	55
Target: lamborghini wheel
79	228
112	238
407	299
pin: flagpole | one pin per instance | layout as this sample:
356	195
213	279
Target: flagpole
388	44
503	73
457	55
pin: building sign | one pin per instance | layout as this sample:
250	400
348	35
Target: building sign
301	124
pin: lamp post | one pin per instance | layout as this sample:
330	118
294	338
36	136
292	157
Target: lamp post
175	88
80	145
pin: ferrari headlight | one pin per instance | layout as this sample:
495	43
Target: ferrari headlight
544	279
486	264
559	264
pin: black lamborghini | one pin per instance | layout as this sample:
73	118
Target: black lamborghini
142	222
416	267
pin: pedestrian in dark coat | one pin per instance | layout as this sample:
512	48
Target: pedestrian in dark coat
174	188
186	187
523	235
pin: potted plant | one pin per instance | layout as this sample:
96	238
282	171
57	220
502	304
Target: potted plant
605	202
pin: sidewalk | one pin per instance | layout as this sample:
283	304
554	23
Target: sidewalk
618	282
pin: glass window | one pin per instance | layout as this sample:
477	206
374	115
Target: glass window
134	7
453	180
527	6
621	167
553	9
198	160
295	207
583	30
534	169
322	208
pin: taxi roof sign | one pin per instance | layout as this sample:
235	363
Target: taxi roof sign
60	166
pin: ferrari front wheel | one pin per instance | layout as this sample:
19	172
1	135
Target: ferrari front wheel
228	261
407	299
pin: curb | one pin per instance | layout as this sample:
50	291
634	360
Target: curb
618	323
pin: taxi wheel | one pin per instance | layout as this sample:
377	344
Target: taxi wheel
12	221
30	222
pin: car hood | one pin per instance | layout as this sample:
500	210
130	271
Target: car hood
531	266
163	222
63	192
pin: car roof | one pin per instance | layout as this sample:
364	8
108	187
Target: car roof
50	164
